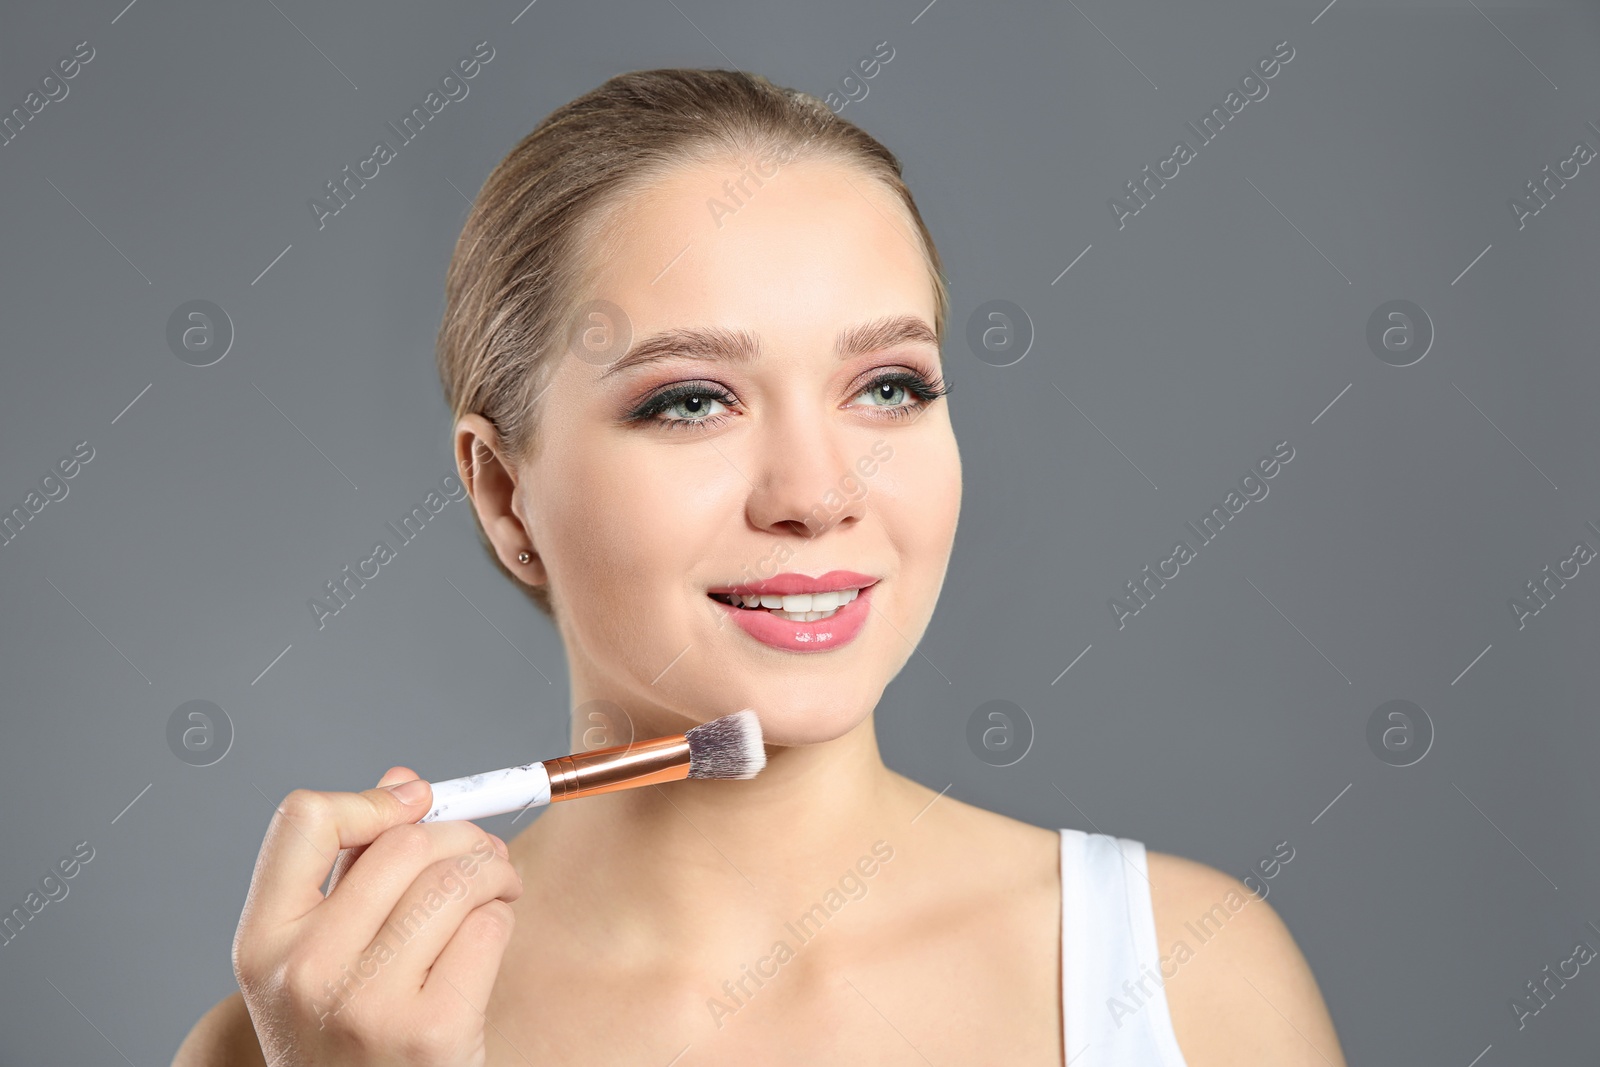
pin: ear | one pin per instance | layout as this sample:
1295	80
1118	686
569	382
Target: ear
491	481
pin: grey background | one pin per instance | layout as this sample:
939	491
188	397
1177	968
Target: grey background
1226	317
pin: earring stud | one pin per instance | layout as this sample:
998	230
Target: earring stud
524	557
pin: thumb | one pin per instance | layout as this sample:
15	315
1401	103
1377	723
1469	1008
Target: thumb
393	776
400	797
396	775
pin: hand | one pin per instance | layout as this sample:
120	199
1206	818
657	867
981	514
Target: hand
395	964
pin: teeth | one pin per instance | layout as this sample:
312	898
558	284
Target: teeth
804	616
799	607
806	603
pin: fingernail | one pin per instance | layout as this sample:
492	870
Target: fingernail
412	792
500	847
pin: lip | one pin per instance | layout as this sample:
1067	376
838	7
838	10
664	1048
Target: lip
823	635
791	584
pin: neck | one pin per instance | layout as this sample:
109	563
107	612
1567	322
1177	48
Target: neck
717	864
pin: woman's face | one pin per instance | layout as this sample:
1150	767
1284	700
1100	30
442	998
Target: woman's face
658	483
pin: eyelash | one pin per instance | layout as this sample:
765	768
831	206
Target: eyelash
915	384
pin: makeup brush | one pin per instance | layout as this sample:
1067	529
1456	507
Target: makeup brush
729	747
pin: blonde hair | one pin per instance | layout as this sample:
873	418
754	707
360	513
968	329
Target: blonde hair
534	234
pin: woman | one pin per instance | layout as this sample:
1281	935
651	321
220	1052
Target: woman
692	342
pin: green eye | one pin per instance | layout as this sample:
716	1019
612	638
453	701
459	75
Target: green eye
689	398
892	387
693	404
905	382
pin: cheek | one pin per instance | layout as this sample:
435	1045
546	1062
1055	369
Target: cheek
630	523
599	529
919	498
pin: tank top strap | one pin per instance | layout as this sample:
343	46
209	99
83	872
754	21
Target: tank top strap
1113	1004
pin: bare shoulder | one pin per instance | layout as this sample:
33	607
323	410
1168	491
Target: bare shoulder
224	1037
993	846
1238	988
954	860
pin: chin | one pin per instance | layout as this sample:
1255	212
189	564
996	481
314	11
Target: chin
787	723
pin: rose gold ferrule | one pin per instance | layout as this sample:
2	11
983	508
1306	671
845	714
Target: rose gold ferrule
606	770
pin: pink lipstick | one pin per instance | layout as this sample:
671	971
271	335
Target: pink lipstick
817	614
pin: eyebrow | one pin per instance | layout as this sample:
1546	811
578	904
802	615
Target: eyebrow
742	346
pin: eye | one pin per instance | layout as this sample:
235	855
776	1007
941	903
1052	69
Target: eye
886	389
693	406
690	405
691	402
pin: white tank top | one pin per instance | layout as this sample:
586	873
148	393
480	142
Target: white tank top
1113	1006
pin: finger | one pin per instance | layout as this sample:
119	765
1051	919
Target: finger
355	911
467	967
304	839
393	776
434	907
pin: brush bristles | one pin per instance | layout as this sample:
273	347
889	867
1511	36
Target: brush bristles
729	747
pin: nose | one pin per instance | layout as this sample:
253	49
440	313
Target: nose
803	476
